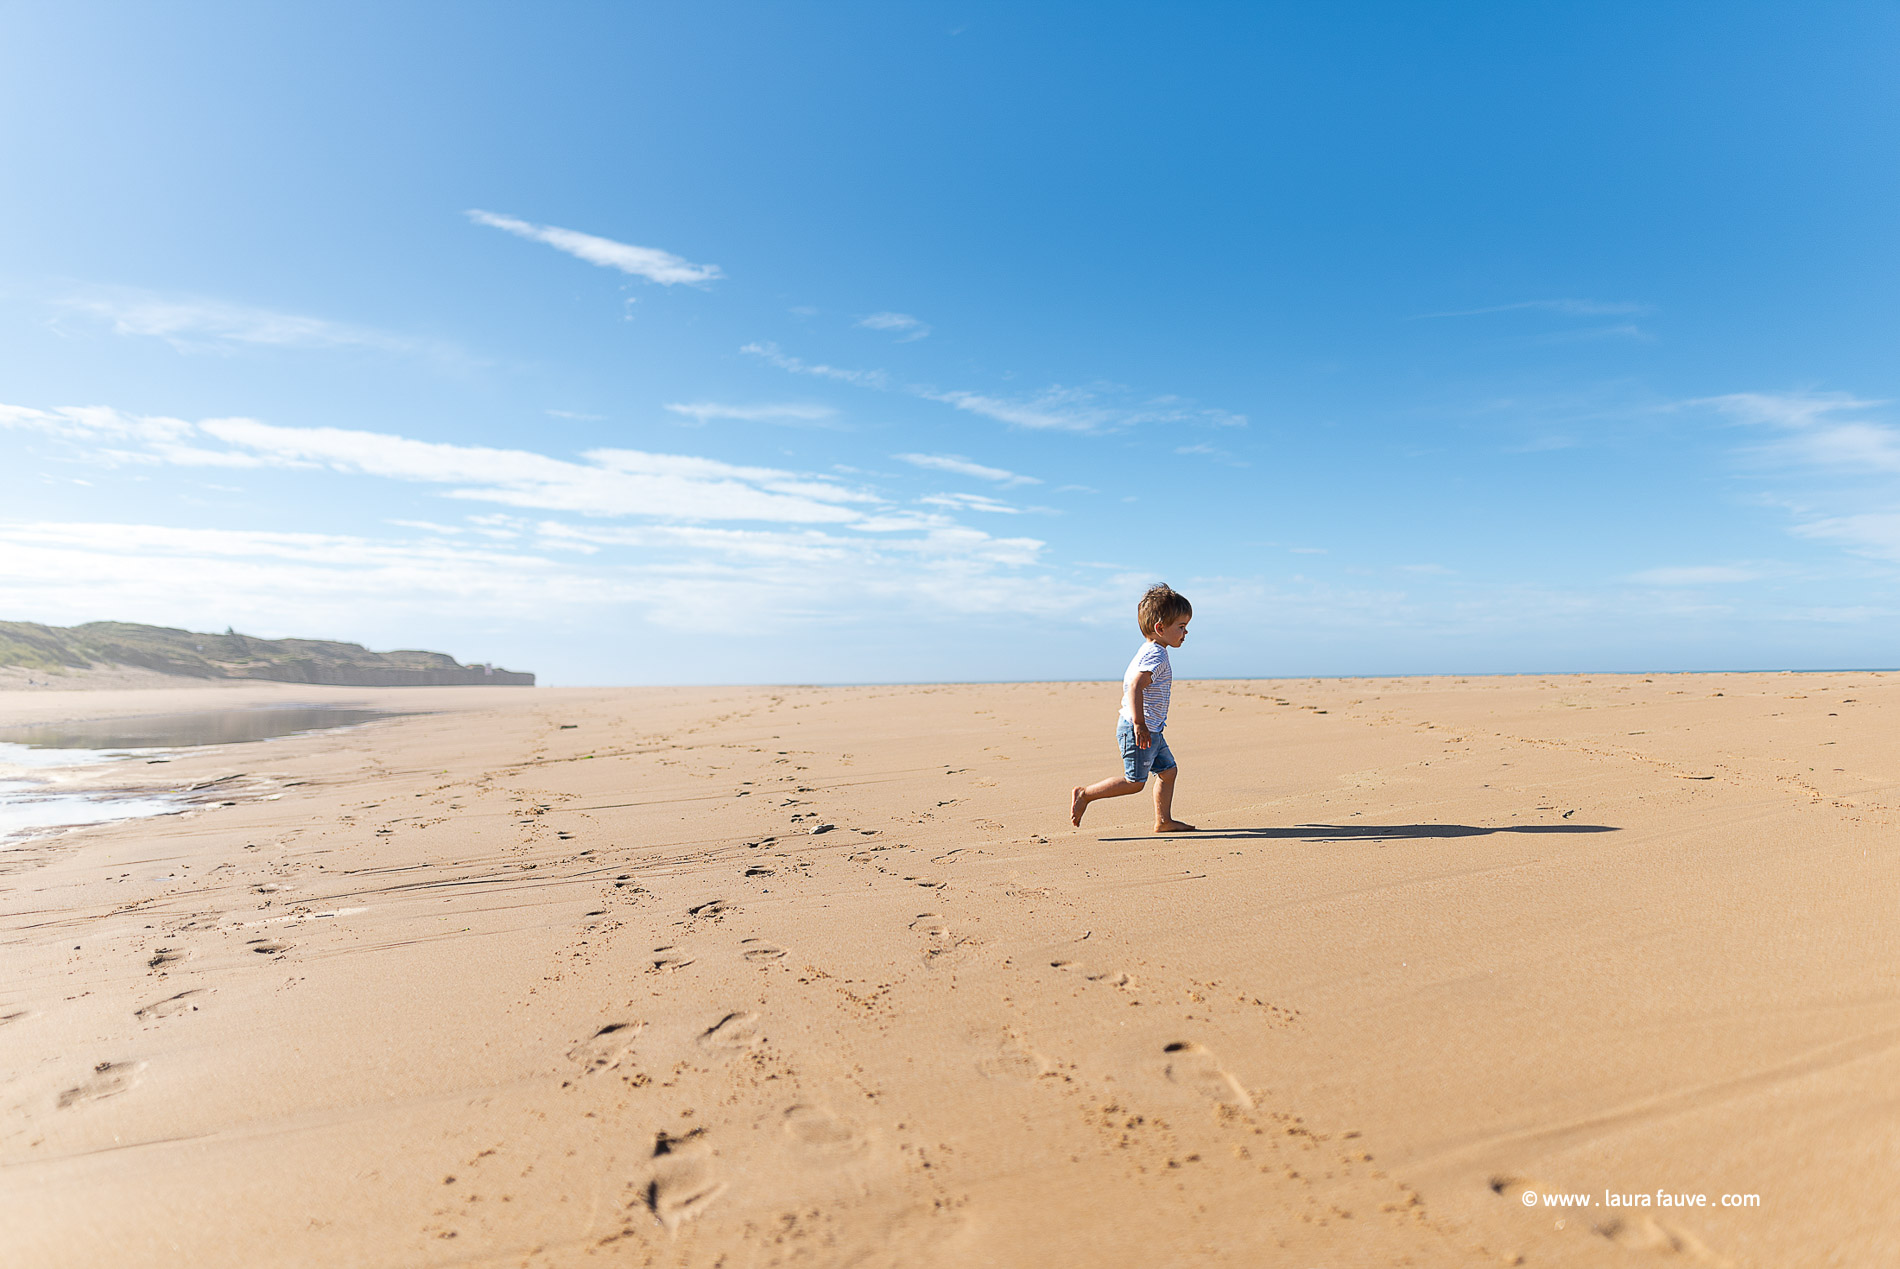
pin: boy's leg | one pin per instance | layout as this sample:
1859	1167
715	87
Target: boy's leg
1117	787
1164	804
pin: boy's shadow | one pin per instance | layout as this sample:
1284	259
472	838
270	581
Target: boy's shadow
1372	832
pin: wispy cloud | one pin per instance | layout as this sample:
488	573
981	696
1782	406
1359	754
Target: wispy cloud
693	511
1786	409
197	324
650	263
731	580
1846	458
1097	408
742	548
974	502
609	482
1875	534
794	414
770	352
962	466
282	580
1814	434
904	325
1568	308
1204	450
1100	407
1053	409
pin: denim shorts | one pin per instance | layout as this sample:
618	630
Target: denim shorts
1138	762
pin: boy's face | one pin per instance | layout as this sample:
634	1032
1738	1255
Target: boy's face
1171	635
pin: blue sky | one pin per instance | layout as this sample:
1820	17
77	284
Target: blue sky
847	342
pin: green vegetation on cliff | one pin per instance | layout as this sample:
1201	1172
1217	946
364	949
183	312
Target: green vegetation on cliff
59	650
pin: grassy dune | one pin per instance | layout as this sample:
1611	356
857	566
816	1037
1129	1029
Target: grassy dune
75	649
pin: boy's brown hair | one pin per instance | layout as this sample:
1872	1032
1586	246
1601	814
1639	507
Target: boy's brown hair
1161	603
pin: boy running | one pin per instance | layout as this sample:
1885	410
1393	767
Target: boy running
1163	616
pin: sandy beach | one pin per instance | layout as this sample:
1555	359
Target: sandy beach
823	976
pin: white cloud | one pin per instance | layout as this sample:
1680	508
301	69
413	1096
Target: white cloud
95	423
1875	533
862	378
650	263
814	550
705	411
1701	575
1219	455
1786	409
195	324
739	581
910	327
1814	435
970	502
1860	447
964	467
611	482
1097	408
1057	408
291	581
1818	431
939	540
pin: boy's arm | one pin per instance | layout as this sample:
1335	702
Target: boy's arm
1136	690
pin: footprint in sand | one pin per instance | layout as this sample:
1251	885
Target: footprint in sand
822	1136
108	1079
1632	1233
735	1033
710	911
165	956
940	942
168	1007
268	947
606	1048
1112	977
668	959
760	950
1192	1066
1645	1233
1015	1059
685	1182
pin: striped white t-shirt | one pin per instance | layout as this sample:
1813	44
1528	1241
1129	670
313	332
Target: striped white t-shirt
1154	698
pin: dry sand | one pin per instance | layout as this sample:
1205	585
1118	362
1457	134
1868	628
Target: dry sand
564	976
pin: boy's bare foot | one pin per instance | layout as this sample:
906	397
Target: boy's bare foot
1171	826
1078	803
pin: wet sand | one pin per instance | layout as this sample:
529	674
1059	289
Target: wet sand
823	976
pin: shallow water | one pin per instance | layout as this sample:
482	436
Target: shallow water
26	807
29	806
181	731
